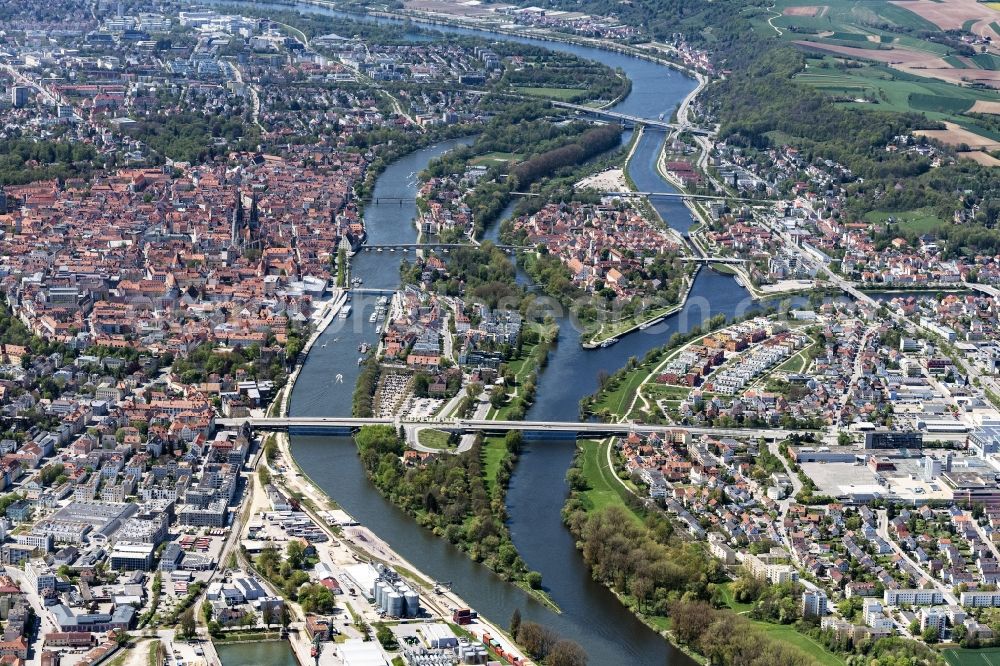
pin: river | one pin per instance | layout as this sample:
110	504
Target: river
591	615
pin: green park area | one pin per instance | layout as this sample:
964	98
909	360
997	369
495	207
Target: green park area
604	488
493	452
496	157
919	221
559	94
787	634
435	439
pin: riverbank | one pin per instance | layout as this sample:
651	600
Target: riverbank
368	546
598	489
649	320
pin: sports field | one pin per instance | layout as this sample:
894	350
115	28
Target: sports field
987	657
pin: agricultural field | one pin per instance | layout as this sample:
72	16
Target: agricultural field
843	17
902	59
877	87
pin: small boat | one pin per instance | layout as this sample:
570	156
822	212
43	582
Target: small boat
345	312
654	322
373	318
608	342
361	360
378	329
324	344
739	281
378	250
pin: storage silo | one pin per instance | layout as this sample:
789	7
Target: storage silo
394	604
380	590
412	601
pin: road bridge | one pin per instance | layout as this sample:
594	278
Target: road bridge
713	260
388	200
405	247
987	289
372	290
627	119
535	429
684	195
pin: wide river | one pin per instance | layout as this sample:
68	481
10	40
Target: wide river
591	615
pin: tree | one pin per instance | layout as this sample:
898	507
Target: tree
566	653
386	637
296	554
187	622
929	635
513	440
515	621
534	580
536	639
690	620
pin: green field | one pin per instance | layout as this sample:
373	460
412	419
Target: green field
495	157
888	90
850	18
787	634
605	489
616	402
727	597
987	61
880	24
923	102
920	221
960	657
493	450
434	439
561	94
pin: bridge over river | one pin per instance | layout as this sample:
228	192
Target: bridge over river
532	429
629	119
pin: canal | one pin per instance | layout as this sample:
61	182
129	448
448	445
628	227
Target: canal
591	615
